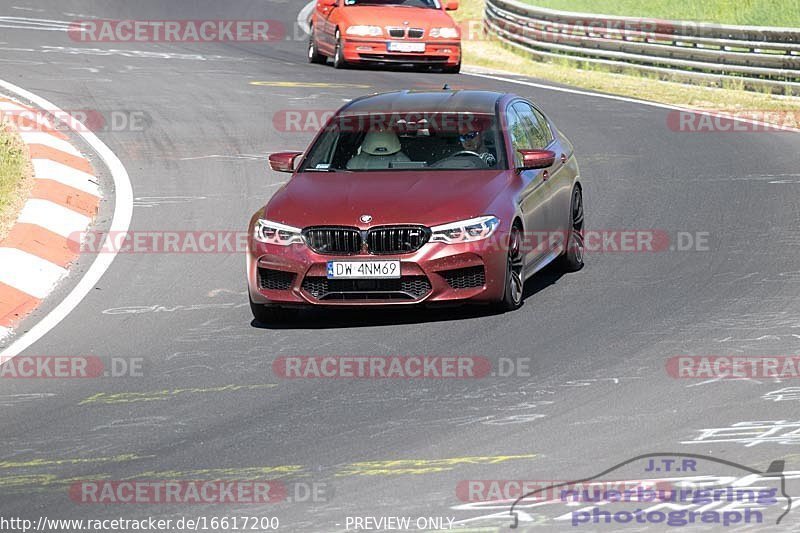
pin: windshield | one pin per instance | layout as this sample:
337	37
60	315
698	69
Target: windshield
408	3
439	141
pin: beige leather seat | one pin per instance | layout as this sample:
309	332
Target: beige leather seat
377	152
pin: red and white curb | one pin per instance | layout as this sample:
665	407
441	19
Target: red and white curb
64	200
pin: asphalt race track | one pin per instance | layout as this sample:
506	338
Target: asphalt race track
208	406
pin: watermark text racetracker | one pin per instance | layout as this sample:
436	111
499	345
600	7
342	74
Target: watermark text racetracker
399	367
102	525
733	367
199	492
70	367
741	121
223	241
29	120
656	489
177	31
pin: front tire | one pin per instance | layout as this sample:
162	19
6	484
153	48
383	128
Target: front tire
452	70
572	260
515	273
338	56
268	314
313	53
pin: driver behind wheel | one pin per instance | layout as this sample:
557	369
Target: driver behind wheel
472	141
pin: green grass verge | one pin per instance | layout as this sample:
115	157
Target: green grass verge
785	13
14	178
496	56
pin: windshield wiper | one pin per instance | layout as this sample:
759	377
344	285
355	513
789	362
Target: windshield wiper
326	170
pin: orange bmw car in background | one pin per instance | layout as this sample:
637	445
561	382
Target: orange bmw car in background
418	32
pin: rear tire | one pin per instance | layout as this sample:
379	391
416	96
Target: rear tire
338	55
313	53
515	273
572	260
268	314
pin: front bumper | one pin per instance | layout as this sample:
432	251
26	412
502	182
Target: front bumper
437	52
436	274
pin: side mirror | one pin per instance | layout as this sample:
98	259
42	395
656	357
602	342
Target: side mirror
451	5
533	159
283	161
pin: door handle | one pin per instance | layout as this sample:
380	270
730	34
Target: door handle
563	159
545	175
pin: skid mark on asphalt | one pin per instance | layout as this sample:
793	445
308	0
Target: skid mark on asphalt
141	309
36	463
9	400
43	482
163	395
423	466
227	158
137	54
244	473
153	201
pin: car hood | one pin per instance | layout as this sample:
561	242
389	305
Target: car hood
394	197
397	16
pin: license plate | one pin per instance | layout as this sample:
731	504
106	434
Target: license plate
406	47
363	269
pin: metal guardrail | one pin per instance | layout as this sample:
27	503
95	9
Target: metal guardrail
757	58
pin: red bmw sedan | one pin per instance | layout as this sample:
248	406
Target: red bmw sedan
360	32
450	197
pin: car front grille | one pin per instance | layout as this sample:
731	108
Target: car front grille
377	241
402	33
405	288
334	241
275	280
397	240
465	278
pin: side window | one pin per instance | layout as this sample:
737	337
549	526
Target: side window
539	136
544	125
518	132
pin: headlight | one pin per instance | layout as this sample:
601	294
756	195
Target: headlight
274	233
474	229
365	31
444	33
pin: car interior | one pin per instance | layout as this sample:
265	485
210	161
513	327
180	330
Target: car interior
405	148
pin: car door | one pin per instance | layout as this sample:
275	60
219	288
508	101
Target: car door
325	26
554	219
532	200
563	178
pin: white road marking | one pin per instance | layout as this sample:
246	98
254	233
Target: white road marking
28	20
246	157
628	100
141	54
12	107
123	211
53	217
304	15
46	169
38	137
25	23
4	332
30	274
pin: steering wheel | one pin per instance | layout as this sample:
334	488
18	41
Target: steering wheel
466	152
